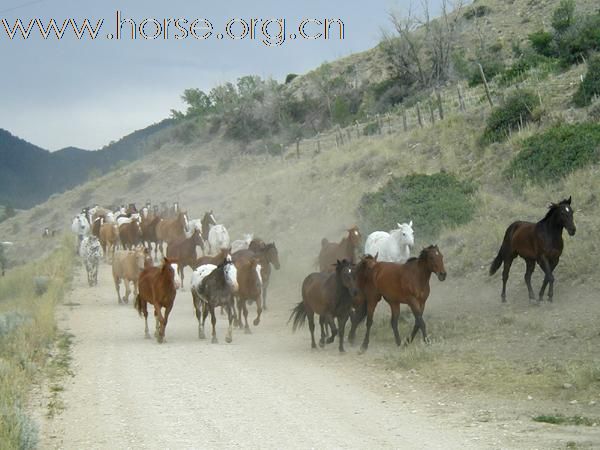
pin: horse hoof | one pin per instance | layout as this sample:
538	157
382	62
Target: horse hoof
228	339
313	346
160	339
427	340
147	336
342	351
362	350
214	340
330	340
256	322
201	336
247	331
321	344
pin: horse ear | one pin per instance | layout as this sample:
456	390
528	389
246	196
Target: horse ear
569	200
376	256
398	223
410	224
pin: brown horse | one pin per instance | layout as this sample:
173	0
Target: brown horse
148	225
406	283
346	249
157	286
217	260
170	230
539	242
330	295
130	234
249	288
109	239
267	255
184	251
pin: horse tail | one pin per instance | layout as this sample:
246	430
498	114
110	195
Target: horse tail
138	304
298	315
504	249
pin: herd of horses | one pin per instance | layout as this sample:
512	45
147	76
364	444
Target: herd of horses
347	286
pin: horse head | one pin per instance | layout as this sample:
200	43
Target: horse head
565	215
405	234
346	276
354	236
273	255
435	261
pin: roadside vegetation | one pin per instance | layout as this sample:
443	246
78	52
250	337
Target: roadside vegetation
27	336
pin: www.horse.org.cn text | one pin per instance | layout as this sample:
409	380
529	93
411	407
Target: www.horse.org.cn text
271	32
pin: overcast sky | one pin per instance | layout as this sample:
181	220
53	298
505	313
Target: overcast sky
85	93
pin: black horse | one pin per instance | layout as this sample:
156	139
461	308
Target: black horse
540	243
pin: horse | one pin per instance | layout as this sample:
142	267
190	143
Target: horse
406	283
184	251
214	287
127	266
346	249
330	295
157	286
393	246
250	288
241	244
215	260
207	221
539	242
218	237
81	227
109	239
267	254
91	254
170	230
130	234
148	225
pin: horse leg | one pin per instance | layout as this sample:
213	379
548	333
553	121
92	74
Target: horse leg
180	270
329	320
419	322
258	310
117	283
548	278
342	323
323	331
264	295
370	311
213	320
239	315
201	334
161	324
245	310
229	336
553	265
355	319
127	291
145	312
311	326
395	307
505	271
528	272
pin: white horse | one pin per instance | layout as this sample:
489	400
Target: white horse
218	238
241	244
81	227
393	246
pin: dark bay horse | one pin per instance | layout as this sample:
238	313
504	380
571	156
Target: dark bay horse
406	283
267	255
333	251
184	252
540	243
249	289
130	234
157	286
149	237
216	289
330	295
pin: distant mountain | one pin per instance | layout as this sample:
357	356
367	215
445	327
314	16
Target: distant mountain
30	175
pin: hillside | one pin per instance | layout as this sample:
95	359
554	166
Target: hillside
30	174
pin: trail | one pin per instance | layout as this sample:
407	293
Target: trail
265	390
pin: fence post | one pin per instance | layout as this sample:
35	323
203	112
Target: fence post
349	133
298	148
357	126
431	112
404	122
440	106
461	100
485	85
389	118
419	114
318	142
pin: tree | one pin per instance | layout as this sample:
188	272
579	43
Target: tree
564	16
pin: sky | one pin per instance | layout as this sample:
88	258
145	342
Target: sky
85	93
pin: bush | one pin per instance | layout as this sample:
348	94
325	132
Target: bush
556	153
543	43
492	66
517	109
371	128
590	86
477	11
430	201
524	64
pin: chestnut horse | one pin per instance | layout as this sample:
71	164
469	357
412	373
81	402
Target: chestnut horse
406	283
170	230
184	251
249	288
330	295
539	242
157	286
346	249
267	254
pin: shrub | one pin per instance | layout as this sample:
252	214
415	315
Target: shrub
492	66
579	40
517	108
555	153
430	201
524	64
290	77
477	11
543	43
590	86
371	128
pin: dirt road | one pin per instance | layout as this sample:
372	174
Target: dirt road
265	390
